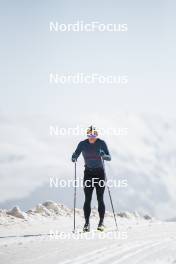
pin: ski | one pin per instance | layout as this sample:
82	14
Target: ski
105	230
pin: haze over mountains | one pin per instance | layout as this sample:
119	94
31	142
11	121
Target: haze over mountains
145	157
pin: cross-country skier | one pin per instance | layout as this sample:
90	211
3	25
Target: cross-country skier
94	151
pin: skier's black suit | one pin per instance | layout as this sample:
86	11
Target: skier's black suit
94	174
94	178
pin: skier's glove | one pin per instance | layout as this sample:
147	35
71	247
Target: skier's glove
102	153
74	159
104	156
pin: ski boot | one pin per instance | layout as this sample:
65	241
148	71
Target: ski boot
86	227
101	226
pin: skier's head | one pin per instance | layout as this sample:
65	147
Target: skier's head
92	134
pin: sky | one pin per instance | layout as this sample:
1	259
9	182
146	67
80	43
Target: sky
29	52
29	104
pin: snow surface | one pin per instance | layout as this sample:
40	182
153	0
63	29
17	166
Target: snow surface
44	235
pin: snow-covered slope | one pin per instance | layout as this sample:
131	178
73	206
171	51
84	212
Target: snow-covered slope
44	235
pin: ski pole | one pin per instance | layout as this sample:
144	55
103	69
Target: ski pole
74	221
109	192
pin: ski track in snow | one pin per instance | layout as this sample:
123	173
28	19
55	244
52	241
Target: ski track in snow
154	243
30	241
124	254
109	255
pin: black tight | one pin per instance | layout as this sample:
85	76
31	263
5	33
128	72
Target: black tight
94	178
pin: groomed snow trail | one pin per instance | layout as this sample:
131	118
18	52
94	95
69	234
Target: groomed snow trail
145	243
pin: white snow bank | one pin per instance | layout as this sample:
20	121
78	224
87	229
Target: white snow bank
16	212
134	215
52	210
